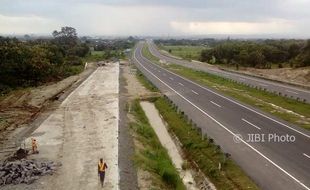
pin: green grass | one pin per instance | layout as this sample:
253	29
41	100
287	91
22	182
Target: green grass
154	157
97	53
148	54
201	150
95	56
73	70
185	52
145	82
252	96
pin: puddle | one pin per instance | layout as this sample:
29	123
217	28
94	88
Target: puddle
166	140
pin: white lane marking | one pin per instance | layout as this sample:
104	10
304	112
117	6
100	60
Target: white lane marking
195	92
291	91
159	71
251	124
181	84
306	155
261	84
278	122
170	78
220	124
216	104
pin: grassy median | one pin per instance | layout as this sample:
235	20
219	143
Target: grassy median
153	157
145	82
203	151
146	53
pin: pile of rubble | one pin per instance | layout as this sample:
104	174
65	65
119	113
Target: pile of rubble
24	171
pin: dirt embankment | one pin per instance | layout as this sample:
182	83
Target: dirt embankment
295	76
21	107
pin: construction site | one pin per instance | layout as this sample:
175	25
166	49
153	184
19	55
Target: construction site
75	124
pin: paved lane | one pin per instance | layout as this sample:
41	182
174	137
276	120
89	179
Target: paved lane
279	88
272	164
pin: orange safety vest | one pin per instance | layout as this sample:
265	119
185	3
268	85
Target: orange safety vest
101	167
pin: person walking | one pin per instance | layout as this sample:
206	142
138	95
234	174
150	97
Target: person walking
102	166
34	146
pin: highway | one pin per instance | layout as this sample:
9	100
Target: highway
271	86
272	163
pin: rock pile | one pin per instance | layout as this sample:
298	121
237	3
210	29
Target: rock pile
24	171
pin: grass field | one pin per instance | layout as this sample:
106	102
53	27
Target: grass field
185	52
153	157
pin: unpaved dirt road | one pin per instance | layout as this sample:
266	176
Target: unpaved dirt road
82	130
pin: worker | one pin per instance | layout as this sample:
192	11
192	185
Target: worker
34	146
101	170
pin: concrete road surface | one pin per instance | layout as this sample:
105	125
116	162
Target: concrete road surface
82	130
271	86
279	155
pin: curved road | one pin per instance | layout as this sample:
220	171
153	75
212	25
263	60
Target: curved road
271	86
279	157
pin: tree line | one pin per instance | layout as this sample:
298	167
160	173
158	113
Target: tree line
249	53
33	62
187	42
259	54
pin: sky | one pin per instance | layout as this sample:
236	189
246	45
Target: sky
277	18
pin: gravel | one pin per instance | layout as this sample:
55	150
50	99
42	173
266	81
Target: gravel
24	171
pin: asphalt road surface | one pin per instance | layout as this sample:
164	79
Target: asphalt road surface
271	86
279	157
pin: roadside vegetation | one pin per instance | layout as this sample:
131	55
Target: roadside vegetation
202	151
106	55
145	82
185	52
28	62
148	54
109	49
152	156
263	54
34	62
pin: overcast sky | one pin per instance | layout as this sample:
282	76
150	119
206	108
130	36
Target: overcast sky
289	18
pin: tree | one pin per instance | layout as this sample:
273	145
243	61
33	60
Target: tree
66	37
303	59
243	57
257	59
